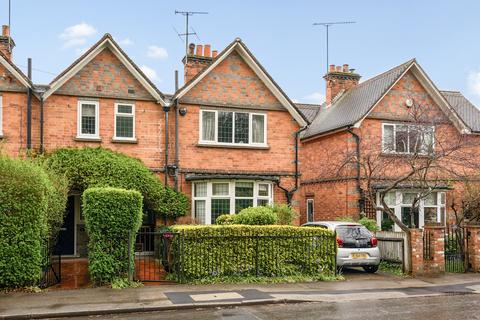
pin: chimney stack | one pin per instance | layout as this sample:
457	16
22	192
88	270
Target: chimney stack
339	79
199	57
6	42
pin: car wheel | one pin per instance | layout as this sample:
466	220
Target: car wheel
370	269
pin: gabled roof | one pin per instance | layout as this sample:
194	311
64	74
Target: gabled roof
464	108
309	110
105	42
350	109
13	69
238	46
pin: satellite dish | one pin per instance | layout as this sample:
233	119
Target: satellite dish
409	103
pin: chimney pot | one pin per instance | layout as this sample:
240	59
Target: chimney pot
339	79
338	68
199	50
5	31
191	49
345	68
214	53
207	51
332	68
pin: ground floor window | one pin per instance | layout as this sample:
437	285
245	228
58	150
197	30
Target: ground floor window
310	213
431	209
214	198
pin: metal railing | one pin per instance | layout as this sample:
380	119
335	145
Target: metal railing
428	249
51	266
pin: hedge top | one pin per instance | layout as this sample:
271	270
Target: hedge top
235	229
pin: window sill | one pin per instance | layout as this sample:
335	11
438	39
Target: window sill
87	139
119	140
395	154
232	146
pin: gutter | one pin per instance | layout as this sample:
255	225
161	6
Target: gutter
41	124
177	145
166	109
29	107
361	201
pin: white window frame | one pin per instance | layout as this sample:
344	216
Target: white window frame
1	116
96	135
126	115
311	200
231	195
395	125
233	143
397	207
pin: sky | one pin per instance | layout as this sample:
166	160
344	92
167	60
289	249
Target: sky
442	35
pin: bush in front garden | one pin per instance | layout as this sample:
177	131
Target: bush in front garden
204	252
32	202
225	219
285	213
99	167
112	216
256	216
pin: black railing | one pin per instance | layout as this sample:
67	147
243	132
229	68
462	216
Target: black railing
51	265
151	255
428	250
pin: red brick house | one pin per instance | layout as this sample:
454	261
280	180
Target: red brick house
375	118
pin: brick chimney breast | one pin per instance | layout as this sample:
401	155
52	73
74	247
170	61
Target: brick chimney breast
6	42
199	57
339	79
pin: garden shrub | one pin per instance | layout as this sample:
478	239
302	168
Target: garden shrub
202	252
370	224
256	216
112	217
285	213
99	167
32	202
225	219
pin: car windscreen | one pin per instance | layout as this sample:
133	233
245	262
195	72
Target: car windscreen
349	233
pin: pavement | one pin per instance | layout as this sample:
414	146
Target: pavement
101	301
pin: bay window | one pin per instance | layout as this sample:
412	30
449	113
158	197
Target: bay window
233	128
214	198
407	139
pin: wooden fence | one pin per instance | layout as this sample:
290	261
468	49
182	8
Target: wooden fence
391	248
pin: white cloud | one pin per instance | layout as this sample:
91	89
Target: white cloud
77	35
80	51
474	82
156	52
150	73
315	97
126	42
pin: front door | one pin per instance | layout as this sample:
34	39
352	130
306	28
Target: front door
66	237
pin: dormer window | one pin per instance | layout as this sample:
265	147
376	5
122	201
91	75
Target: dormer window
407	139
219	127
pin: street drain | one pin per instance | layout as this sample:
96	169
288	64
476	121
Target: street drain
457	293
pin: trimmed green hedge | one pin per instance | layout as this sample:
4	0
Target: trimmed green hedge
99	167
32	202
111	216
256	216
202	252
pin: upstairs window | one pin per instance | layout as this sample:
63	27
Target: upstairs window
407	139
124	121
233	128
88	119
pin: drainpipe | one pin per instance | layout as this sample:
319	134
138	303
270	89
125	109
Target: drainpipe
29	108
166	108
289	193
361	201
177	146
41	125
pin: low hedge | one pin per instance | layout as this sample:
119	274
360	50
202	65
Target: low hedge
111	216
32	202
202	252
256	216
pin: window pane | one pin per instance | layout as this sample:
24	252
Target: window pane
242	204
427	140
430	214
244	189
124	127
388	145
241	127
208	125
219	207
414	138
200	189
431	199
220	189
442	197
310	210
390	198
263	190
401	138
122	108
225	126
262	202
200	211
258	126
408	197
88	119
407	217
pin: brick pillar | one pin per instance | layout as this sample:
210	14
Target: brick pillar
416	243
474	247
437	243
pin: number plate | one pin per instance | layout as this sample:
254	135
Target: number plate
357	255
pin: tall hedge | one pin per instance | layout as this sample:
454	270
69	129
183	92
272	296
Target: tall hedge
32	202
112	218
99	167
202	252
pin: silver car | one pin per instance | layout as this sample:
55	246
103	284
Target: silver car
357	247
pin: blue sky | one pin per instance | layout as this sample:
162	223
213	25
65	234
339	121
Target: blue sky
442	35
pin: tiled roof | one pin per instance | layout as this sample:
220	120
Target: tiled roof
355	103
309	110
464	108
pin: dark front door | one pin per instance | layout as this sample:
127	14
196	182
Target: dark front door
66	237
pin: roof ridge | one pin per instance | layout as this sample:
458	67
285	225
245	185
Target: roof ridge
385	72
451	91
